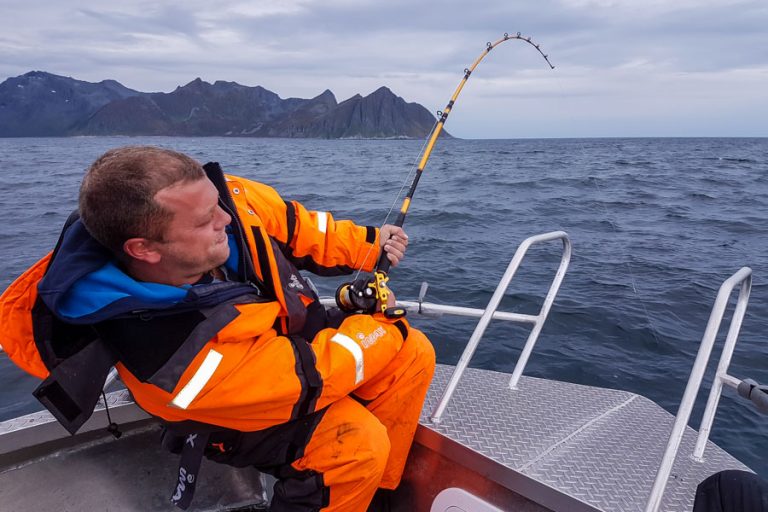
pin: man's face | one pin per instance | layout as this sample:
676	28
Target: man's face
195	240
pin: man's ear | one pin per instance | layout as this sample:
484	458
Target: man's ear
141	249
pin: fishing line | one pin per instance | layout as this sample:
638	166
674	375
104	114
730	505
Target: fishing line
611	221
625	254
403	184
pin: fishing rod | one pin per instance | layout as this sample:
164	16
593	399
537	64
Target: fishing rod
362	294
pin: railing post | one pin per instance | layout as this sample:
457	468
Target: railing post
697	373
722	370
541	318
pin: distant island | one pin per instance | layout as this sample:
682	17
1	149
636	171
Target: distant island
40	104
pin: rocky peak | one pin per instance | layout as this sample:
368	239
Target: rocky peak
326	97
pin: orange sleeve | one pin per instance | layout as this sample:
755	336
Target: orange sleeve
331	247
312	240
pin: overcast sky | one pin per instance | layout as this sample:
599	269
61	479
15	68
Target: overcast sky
623	67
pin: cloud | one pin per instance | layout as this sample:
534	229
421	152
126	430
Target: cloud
621	58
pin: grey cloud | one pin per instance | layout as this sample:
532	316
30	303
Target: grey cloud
603	53
163	20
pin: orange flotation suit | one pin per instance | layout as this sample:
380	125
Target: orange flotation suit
249	355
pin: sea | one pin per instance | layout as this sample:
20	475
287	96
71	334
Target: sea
657	224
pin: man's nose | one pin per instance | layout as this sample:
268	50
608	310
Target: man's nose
224	218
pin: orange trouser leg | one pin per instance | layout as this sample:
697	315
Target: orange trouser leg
349	448
395	396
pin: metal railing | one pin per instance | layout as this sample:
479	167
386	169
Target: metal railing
744	278
490	313
493	304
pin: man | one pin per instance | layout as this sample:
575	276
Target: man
188	280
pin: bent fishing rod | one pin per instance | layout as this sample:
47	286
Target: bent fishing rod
363	294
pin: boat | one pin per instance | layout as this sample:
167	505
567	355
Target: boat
487	441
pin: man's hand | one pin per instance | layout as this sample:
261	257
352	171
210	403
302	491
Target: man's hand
394	241
391	301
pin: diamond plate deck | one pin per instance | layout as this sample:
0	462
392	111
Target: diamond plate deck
598	446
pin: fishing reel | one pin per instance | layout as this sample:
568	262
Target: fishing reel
359	296
363	295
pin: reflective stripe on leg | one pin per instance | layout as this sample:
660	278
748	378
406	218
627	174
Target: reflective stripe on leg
354	349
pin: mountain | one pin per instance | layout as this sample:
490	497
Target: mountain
42	104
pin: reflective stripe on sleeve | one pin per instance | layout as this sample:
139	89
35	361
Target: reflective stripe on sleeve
354	349
322	221
198	381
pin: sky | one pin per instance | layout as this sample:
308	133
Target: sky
623	68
